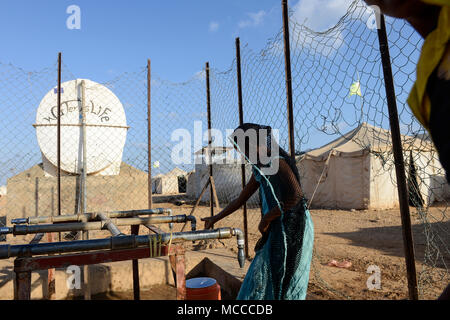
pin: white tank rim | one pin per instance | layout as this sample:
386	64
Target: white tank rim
112	132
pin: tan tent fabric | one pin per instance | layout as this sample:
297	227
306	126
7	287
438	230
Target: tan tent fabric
367	137
167	183
360	173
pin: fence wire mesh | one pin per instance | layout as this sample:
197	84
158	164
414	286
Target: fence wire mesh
340	104
21	93
339	96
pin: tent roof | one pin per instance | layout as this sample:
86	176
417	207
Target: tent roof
215	151
366	138
176	172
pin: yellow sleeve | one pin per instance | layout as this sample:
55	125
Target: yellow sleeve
441	3
432	52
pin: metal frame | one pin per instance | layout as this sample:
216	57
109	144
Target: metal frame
90	216
287	59
105	223
23	267
121	242
116	248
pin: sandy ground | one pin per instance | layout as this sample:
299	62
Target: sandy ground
363	238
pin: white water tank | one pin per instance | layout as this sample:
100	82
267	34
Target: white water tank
106	129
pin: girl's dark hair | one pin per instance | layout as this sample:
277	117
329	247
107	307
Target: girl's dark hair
253	126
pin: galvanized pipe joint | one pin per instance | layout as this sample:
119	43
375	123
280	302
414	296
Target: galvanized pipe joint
107	224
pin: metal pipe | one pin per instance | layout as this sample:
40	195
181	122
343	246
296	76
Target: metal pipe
149	134
58	138
208	110
37	238
171	224
241	122
241	245
123	242
90	216
96	225
87	290
110	226
83	127
408	242
193	222
287	59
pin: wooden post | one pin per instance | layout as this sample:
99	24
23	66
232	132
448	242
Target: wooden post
22	282
58	138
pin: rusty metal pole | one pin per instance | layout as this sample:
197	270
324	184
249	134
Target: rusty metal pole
209	148
135	229
85	234
59	136
149	133
287	58
51	286
399	162
241	122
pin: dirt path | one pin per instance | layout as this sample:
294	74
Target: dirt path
364	238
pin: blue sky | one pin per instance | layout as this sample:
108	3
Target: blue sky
117	36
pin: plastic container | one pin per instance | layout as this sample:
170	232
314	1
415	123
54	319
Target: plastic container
202	289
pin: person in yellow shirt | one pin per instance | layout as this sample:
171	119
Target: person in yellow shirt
430	97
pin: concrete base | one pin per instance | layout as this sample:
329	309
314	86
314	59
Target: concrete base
118	276
224	269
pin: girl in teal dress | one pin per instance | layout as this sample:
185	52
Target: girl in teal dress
280	269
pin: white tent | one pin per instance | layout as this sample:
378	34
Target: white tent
227	176
356	171
167	183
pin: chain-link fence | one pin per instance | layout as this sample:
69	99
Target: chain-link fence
24	194
342	132
342	137
96	121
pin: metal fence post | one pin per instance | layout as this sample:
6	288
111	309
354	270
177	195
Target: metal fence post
86	280
241	122
59	136
50	237
149	133
209	148
287	59
135	229
399	162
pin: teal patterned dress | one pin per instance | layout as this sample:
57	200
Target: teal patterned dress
280	269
